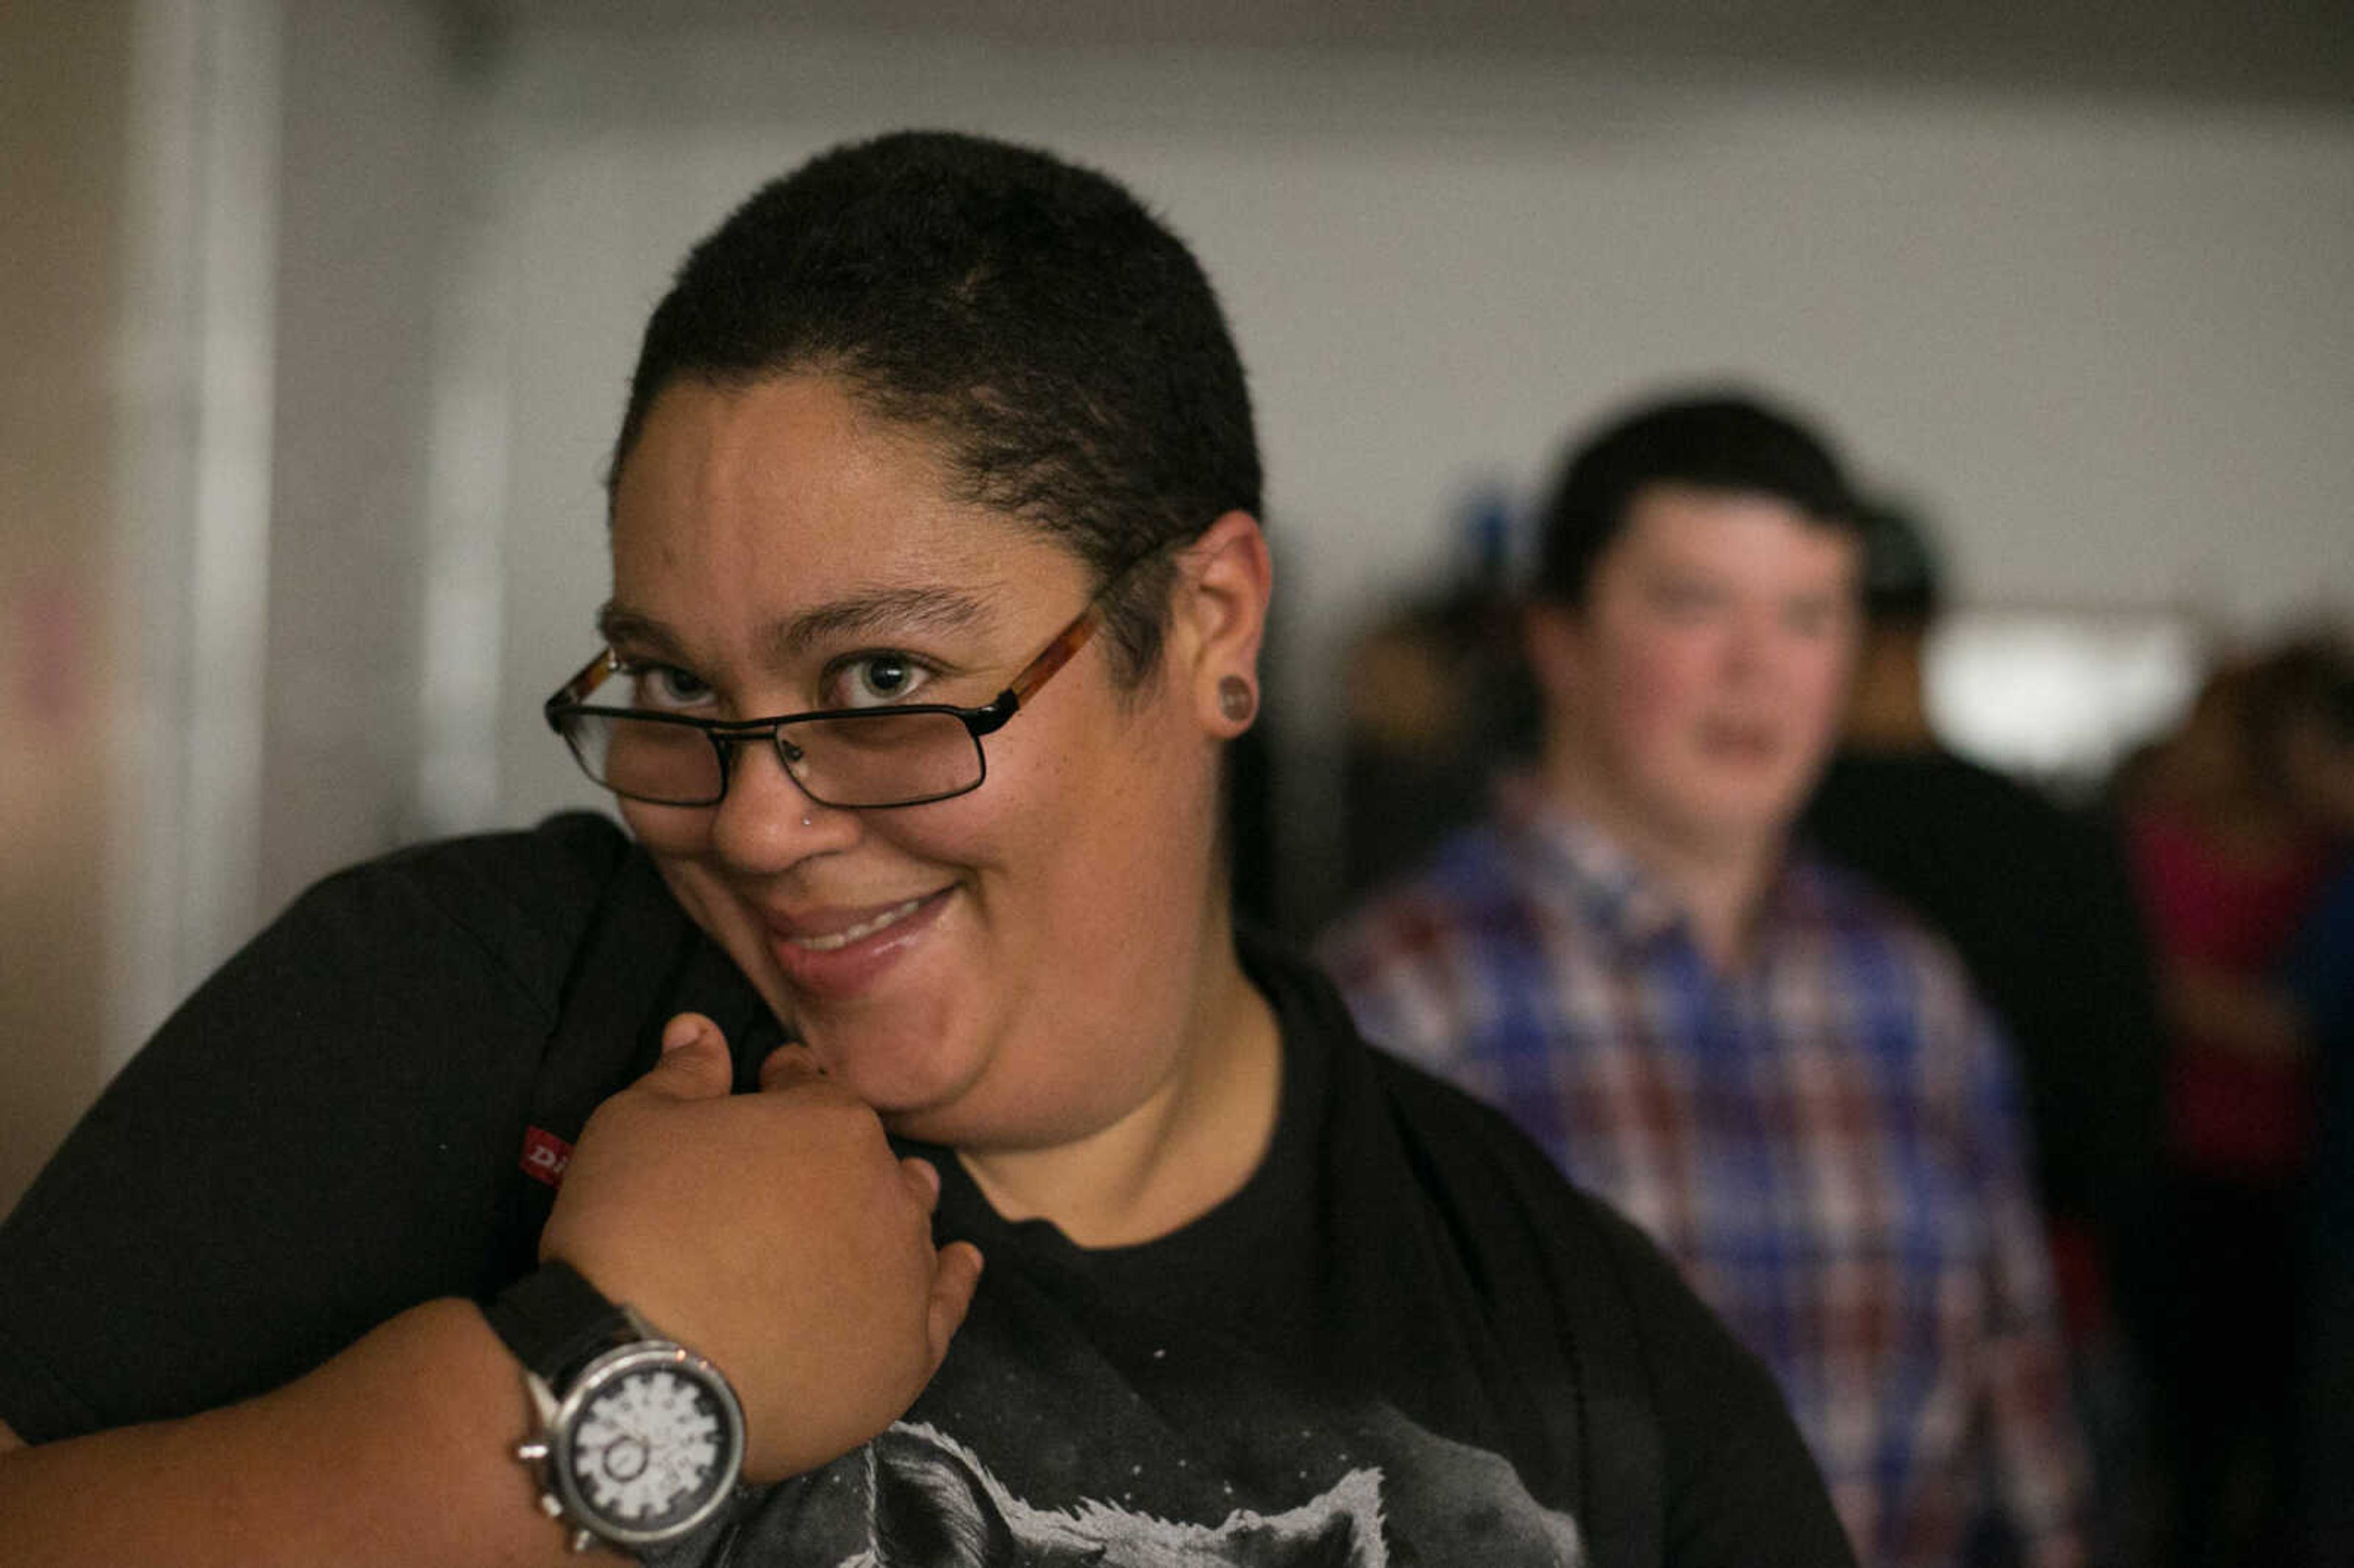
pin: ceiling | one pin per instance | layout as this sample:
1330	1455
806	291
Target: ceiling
2258	51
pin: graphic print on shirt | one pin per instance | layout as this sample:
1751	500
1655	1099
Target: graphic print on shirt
933	1504
919	1498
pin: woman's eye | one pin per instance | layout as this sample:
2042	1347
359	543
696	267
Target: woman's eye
664	687
874	680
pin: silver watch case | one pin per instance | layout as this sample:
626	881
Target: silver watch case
555	1453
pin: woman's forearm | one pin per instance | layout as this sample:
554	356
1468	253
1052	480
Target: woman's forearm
400	1451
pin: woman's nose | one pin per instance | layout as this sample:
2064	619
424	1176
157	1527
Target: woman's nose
766	821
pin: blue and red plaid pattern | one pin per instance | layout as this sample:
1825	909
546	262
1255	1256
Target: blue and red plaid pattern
1827	1139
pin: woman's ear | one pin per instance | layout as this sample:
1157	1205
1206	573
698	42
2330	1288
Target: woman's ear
1226	576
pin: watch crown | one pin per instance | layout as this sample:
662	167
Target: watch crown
551	1504
531	1452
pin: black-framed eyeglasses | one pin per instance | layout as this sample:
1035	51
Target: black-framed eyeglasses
907	754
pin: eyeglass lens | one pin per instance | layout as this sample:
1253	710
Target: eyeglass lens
881	758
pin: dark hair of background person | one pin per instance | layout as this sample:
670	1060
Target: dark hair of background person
1064	348
1903	580
1723	441
2302	689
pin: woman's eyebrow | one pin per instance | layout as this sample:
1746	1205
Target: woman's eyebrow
618	625
882	612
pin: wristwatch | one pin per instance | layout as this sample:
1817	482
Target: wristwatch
639	1439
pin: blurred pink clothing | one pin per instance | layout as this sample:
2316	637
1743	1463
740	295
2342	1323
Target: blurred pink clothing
2227	1113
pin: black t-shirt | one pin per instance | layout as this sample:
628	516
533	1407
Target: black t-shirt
2037	900
1405	1340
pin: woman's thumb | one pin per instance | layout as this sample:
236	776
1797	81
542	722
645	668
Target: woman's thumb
694	1064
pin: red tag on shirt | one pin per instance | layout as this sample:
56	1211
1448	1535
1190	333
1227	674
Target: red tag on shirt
544	1156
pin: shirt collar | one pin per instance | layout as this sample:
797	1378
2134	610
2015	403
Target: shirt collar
1609	885
1616	893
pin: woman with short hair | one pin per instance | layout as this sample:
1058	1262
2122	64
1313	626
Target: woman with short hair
938	590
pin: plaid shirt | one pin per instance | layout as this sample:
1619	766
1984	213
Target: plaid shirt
1827	1141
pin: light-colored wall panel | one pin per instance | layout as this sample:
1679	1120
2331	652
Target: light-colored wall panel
63	81
367	196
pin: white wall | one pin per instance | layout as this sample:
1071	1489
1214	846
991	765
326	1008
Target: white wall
367	183
2108	342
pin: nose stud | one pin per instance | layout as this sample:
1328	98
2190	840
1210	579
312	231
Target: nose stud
807	822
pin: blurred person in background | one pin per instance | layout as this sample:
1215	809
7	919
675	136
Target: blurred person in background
2037	898
2317	977
1774	1071
2234	823
491	1168
1439	702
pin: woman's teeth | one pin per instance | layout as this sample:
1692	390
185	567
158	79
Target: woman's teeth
849	934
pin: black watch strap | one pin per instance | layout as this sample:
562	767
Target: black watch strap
556	1322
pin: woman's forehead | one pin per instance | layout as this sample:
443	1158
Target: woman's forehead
785	450
794	484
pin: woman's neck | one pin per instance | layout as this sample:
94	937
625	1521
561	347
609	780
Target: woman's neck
1189	1144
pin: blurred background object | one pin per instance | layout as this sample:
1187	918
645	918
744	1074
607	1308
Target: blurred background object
63	140
1439	701
318	316
2238	821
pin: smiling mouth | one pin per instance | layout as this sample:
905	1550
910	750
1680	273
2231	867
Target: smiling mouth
833	941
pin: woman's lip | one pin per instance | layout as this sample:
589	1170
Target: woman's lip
827	929
837	919
839	953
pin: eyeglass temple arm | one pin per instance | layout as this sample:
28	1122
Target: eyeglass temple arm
585	680
1053	657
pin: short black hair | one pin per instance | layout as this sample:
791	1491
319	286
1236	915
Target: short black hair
1903	580
2304	682
1060	343
1714	441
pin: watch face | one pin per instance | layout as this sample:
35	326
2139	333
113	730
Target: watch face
649	1440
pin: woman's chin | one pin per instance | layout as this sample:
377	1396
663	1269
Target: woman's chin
907	1073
